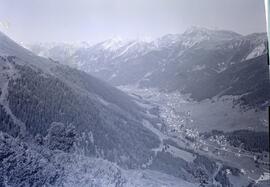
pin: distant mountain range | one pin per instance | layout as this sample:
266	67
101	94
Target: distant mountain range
201	62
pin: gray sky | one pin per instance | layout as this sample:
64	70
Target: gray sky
96	20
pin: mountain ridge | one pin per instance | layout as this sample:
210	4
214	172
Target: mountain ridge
175	61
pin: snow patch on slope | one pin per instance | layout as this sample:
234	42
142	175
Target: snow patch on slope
259	50
113	44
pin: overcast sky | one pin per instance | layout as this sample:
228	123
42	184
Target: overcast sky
96	20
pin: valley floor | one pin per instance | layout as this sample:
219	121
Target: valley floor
185	121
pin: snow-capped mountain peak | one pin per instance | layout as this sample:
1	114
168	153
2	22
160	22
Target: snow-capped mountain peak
201	33
196	29
113	44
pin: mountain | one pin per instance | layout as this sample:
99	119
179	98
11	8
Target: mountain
57	51
62	127
36	92
186	62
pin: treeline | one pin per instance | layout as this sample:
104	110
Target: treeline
38	100
249	140
21	165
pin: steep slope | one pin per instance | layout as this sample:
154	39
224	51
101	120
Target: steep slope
36	92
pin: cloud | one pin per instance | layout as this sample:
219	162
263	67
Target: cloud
4	24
